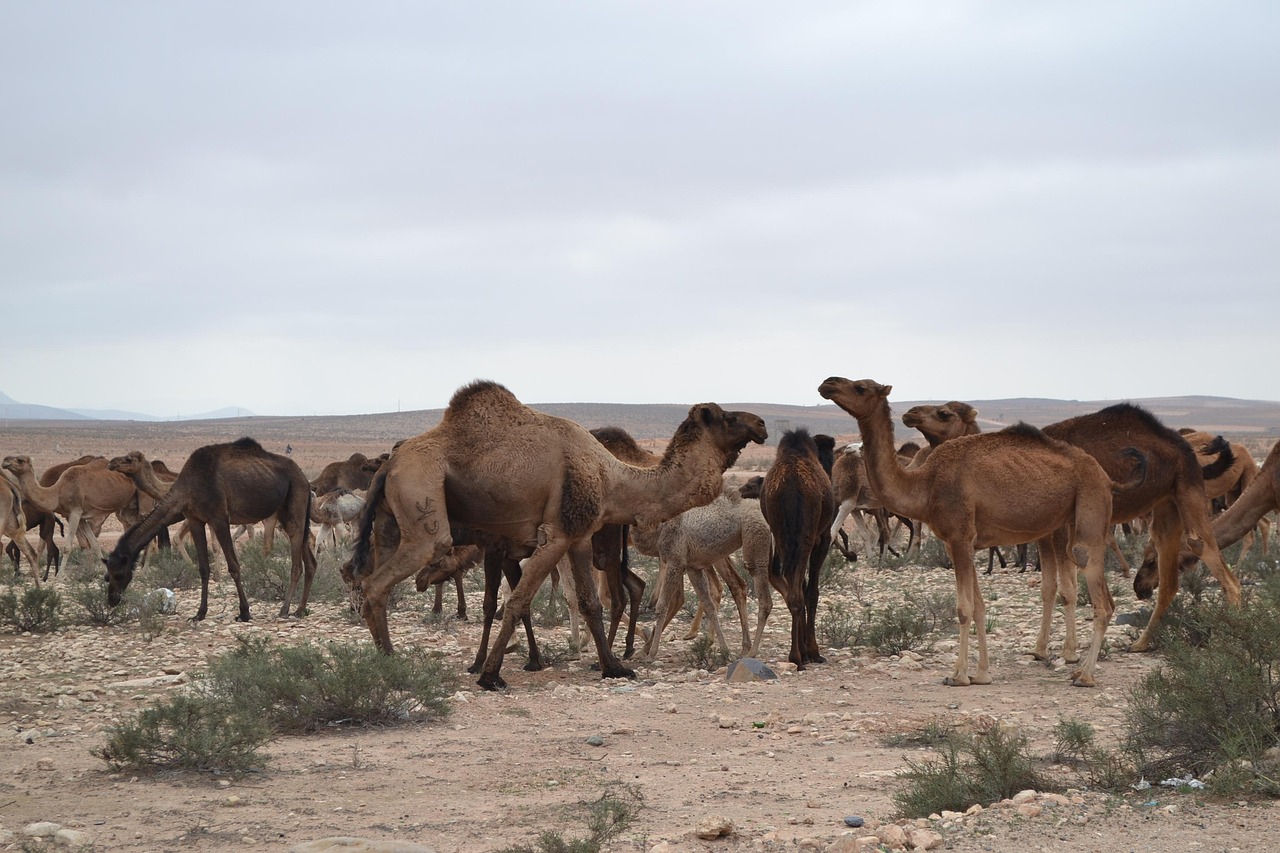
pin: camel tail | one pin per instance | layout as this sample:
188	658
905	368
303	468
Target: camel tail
364	534
1137	477
1219	466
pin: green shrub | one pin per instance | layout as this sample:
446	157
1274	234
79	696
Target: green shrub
187	732
1073	739
34	609
982	768
1215	701
166	568
838	626
705	653
895	629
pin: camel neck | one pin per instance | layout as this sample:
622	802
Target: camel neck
890	482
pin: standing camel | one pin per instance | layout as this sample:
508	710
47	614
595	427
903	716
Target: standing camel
997	488
799	506
1173	492
221	485
13	523
543	484
84	494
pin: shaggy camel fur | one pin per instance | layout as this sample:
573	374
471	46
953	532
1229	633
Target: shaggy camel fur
1173	492
84	494
700	543
1260	497
354	473
997	488
335	507
13	523
221	485
799	506
541	483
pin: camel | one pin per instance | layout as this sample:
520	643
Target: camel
354	473
332	508
854	499
453	566
541	483
13	523
1260	497
46	521
84	494
699	543
797	502
221	485
998	488
1173	492
1226	488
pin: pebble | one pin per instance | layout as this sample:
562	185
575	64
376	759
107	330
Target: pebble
854	821
595	740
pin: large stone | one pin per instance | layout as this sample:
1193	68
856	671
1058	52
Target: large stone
73	838
892	836
713	826
749	669
41	829
346	844
924	839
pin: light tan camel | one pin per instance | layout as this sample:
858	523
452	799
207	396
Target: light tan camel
13	522
1173	492
1259	498
85	495
544	484
46	521
700	543
333	508
221	485
998	488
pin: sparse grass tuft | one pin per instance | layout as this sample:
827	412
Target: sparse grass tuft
704	653
606	819
34	609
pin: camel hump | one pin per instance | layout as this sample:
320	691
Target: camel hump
246	443
481	391
1026	430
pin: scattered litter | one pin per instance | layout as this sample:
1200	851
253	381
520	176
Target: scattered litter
1187	781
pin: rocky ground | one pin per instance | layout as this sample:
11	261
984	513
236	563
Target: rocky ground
779	765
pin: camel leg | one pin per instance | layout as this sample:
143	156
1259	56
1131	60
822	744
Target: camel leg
438	606
715	589
302	559
1114	545
533	572
462	597
1166	536
222	531
634	585
589	609
570	587
702	586
764	604
20	542
489	605
670	599
738	589
1103	607
971	610
1048	592
201	542
73	530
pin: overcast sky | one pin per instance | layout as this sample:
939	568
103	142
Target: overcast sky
332	208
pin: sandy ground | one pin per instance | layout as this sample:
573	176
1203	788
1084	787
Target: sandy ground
785	761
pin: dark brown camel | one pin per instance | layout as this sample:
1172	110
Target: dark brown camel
541	483
998	488
1260	497
221	485
799	506
1173	492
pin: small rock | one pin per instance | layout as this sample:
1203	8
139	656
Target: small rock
1030	809
73	838
41	829
749	669
595	740
924	839
346	844
1025	796
664	847
714	826
44	764
232	801
892	836
728	723
854	821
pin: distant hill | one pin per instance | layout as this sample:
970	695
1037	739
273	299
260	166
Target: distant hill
11	409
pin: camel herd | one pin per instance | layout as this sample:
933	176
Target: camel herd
528	495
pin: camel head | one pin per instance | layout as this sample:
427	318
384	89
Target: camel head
752	488
1147	578
17	465
858	397
940	423
729	431
129	464
119	573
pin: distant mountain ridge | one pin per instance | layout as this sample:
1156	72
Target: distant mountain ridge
11	409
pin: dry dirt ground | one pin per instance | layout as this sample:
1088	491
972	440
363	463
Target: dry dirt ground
785	761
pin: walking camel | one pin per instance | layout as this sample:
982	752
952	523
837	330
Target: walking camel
799	506
544	484
998	488
45	521
13	523
1172	492
84	494
221	485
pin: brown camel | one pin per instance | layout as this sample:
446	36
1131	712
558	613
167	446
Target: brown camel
453	566
1226	488
354	473
799	506
13	523
1173	492
45	521
854	499
998	488
1259	498
543	484
84	494
221	485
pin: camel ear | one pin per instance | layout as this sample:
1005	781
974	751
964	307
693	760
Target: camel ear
707	413
883	390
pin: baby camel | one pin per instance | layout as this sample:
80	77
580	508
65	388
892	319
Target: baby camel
998	488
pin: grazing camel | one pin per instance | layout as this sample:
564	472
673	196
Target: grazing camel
332	508
998	488
799	506
1173	492
1230	526
452	566
1226	488
354	473
13	523
700	543
84	494
541	483
221	485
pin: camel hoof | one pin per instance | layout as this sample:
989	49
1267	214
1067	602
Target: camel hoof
535	665
980	678
1073	658
1043	657
492	683
1140	645
953	681
617	671
1080	679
